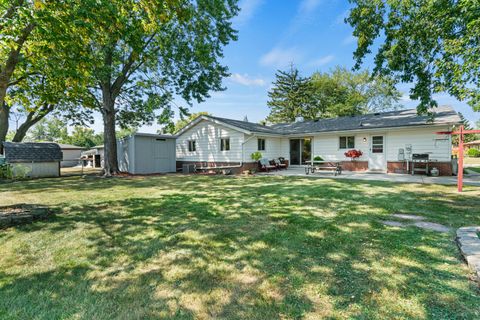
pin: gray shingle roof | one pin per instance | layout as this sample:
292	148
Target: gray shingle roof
249	126
32	152
401	118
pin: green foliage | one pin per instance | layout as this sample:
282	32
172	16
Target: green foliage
339	92
49	129
256	156
466	126
474	153
84	137
317	158
289	97
125	132
432	44
182	122
6	171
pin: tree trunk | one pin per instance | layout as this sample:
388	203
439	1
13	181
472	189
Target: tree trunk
4	115
110	166
6	72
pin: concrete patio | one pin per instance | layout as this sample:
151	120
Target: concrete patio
473	180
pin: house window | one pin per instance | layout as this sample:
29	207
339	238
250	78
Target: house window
347	142
377	144
261	144
225	144
192	146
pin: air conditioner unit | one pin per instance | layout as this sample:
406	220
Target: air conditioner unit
188	168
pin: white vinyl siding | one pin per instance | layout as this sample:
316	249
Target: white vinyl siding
423	140
273	147
207	137
327	146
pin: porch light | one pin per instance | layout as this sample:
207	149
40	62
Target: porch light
364	139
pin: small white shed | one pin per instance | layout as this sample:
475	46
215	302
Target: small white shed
146	153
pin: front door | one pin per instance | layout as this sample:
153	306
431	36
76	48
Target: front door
376	160
300	151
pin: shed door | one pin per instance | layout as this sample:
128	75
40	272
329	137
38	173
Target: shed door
161	155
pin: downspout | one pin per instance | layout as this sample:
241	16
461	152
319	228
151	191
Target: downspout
243	152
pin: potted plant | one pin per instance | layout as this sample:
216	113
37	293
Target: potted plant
318	158
353	154
256	156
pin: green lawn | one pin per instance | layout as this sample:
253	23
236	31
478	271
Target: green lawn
183	247
476	169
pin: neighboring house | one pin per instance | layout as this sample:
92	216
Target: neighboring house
144	153
33	159
472	144
94	157
387	140
71	155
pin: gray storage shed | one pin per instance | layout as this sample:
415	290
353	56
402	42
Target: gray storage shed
33	159
146	153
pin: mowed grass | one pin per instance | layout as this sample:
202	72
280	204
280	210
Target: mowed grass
194	247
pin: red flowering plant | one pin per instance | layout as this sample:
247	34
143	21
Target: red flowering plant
353	154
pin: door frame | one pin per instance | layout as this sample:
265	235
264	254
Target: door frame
300	145
371	154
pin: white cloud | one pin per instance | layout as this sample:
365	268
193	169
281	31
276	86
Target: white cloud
278	57
322	61
349	40
246	80
308	6
248	8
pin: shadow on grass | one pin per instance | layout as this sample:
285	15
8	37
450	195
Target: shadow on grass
252	248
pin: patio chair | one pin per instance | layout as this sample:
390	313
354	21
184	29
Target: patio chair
283	161
279	164
265	165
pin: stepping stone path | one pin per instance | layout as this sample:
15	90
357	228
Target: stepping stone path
469	243
408	216
393	223
413	220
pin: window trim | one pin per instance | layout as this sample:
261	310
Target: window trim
346	143
264	144
192	143
221	144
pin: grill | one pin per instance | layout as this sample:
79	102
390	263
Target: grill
420	156
423	160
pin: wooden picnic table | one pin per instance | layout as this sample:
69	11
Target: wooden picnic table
317	165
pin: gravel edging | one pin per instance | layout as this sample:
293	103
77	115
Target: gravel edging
469	243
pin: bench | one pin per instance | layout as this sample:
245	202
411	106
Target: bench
315	166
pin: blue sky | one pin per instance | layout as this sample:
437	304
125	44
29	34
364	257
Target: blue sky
274	33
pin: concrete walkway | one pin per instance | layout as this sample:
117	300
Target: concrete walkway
392	177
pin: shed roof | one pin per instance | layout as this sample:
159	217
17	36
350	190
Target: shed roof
32	152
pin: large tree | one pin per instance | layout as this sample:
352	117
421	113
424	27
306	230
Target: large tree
35	58
143	53
432	44
336	93
289	97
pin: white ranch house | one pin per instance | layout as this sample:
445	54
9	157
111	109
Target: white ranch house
387	141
